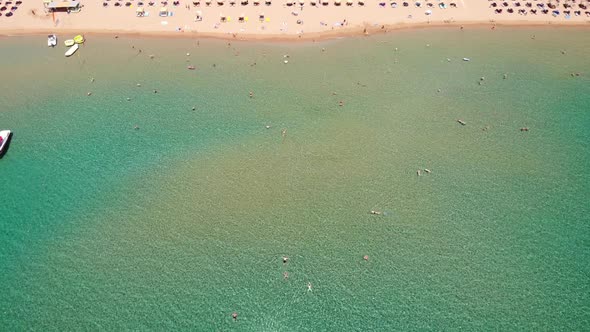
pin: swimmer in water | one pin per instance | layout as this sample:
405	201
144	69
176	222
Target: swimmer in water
309	286
376	212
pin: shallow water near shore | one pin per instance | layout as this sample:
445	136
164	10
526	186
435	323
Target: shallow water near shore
183	221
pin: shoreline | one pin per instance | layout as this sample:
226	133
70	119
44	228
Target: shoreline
348	32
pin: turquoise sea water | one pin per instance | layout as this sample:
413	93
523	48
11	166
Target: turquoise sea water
180	223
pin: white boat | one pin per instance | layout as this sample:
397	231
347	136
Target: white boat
4	136
466	59
72	50
51	40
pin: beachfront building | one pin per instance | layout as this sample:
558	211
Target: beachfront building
62	6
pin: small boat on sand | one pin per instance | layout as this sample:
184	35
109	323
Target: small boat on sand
190	67
4	136
72	50
51	40
69	42
462	122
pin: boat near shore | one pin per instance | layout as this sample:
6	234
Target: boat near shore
79	39
72	50
51	40
4	137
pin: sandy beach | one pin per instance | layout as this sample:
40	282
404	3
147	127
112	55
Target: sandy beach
280	20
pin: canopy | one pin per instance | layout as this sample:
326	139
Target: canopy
163	10
63	4
139	10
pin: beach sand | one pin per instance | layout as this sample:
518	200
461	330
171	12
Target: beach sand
281	21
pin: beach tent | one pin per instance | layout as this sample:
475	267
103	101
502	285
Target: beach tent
199	16
140	11
163	11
